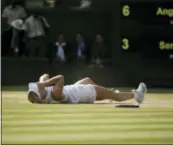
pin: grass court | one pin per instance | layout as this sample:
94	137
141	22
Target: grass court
26	123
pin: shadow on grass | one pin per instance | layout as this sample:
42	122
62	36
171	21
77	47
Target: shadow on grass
127	106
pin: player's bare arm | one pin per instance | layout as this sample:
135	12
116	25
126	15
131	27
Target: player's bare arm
52	81
57	82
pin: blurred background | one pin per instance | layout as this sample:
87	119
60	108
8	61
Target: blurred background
115	42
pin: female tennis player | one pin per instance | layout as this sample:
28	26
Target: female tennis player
86	91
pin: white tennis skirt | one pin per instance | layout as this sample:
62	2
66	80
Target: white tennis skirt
80	93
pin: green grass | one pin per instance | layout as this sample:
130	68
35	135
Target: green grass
27	123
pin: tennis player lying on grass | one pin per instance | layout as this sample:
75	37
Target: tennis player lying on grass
85	91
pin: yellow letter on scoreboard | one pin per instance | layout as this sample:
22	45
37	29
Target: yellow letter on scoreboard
159	11
162	45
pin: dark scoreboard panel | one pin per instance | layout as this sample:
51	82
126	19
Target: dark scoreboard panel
147	28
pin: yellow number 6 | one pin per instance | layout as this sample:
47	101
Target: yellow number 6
126	10
125	43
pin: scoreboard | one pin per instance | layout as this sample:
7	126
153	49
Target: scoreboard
147	28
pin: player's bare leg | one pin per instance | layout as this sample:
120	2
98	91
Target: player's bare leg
86	80
104	93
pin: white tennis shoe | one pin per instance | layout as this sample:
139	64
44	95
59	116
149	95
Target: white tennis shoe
139	93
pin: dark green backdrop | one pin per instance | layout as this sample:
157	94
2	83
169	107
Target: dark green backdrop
143	61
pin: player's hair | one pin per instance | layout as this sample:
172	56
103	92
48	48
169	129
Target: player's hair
33	97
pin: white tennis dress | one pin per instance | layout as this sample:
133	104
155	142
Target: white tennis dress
76	93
